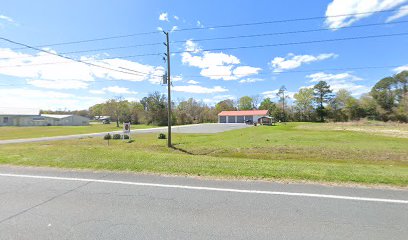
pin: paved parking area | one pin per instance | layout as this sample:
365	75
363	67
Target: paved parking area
206	128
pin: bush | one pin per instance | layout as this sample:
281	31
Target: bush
130	141
107	137
126	137
116	136
162	136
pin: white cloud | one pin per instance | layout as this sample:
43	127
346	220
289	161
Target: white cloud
65	74
292	61
57	84
199	89
215	65
243	71
401	68
176	78
199	24
164	17
402	12
45	99
272	94
216	99
6	18
218	72
97	91
191	46
321	76
251	80
341	81
118	90
176	17
343	7
174	28
192	82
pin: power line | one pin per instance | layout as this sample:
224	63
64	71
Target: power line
259	74
222	38
69	58
297	71
282	21
220	49
65	62
291	32
99	49
91	40
201	28
298	43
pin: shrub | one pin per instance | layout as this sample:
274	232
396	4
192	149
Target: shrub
130	141
107	137
126	137
116	136
162	136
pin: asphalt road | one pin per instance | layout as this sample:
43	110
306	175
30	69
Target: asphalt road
39	203
206	128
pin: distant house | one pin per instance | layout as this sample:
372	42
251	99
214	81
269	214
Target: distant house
241	116
32	117
266	120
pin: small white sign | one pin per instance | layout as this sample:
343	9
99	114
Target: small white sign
126	127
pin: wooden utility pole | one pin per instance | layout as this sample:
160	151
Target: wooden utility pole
168	91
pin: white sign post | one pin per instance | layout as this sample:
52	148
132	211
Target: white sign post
126	129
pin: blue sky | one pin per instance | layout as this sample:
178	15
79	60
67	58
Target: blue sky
27	79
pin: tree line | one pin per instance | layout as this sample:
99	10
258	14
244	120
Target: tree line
387	101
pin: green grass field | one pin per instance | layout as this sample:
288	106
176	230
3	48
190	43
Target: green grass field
50	131
290	152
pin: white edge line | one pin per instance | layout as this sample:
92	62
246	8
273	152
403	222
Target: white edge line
384	200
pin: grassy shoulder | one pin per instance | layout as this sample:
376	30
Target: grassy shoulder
50	131
280	152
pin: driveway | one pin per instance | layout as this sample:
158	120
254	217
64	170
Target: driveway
206	128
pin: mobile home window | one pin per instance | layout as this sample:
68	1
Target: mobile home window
5	120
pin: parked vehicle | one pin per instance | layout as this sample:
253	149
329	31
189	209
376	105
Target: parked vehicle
249	122
106	121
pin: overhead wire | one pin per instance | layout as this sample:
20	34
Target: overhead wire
72	59
210	27
289	32
283	20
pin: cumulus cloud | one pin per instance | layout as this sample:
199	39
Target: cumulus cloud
97	91
164	17
216	99
340	81
401	68
272	94
251	80
199	24
402	12
54	72
292	61
118	90
6	18
55	84
192	82
174	28
176	17
199	89
32	98
215	65
343	7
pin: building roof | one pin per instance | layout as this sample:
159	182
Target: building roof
19	111
58	116
244	113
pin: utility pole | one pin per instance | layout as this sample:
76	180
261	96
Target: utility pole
168	91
